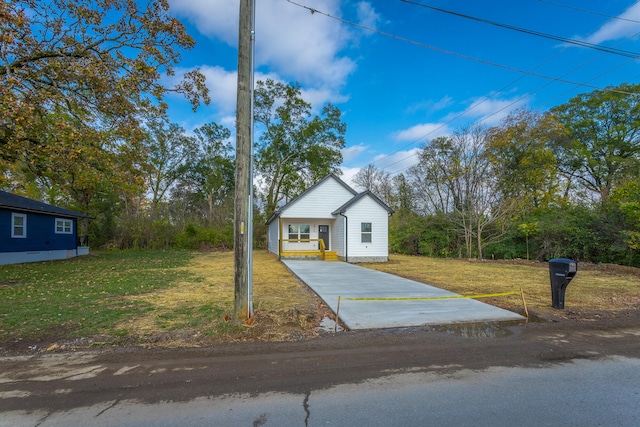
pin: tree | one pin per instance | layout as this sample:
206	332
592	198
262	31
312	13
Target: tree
404	197
169	150
98	62
518	148
600	147
207	180
627	198
375	180
455	177
294	149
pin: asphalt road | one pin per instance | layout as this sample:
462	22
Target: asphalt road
529	374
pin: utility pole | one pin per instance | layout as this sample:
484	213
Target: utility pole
243	225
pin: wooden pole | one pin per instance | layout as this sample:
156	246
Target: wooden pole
244	175
526	312
335	329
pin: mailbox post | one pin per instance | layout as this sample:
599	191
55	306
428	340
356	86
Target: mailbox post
561	272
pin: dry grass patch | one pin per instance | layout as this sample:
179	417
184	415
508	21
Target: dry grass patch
204	303
593	292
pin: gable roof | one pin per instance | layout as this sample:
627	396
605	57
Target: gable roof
19	203
346	206
278	212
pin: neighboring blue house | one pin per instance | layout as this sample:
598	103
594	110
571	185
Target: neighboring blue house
35	231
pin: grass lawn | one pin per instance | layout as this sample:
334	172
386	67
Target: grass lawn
596	290
119	296
186	298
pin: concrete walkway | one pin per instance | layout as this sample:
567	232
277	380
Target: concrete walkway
331	280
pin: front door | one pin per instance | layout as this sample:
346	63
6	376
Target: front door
323	233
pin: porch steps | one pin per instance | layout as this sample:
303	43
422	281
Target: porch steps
328	255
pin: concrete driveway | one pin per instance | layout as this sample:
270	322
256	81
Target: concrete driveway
331	280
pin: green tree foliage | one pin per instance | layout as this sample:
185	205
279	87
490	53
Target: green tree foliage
169	149
519	149
295	148
600	144
572	174
456	178
95	64
627	197
206	185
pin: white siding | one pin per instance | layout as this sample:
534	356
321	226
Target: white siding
319	202
274	236
368	210
334	239
337	236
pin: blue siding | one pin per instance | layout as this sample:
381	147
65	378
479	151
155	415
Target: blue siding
41	234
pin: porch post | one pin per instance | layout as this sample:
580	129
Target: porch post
280	237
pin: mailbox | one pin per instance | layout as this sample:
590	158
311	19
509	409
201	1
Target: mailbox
561	272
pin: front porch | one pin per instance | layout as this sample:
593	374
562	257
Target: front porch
306	238
321	253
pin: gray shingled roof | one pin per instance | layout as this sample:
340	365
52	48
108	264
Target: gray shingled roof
346	206
277	213
19	203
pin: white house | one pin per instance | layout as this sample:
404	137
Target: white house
332	221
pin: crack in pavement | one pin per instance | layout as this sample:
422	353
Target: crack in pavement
115	402
305	405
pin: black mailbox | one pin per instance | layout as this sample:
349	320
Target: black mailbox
561	271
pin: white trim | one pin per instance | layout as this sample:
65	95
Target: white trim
64	228
15	215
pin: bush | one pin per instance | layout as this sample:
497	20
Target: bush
195	236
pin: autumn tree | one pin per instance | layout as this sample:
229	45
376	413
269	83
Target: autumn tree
456	179
295	148
519	149
169	150
97	62
378	181
207	180
600	145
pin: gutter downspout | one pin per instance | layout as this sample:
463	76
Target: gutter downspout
346	237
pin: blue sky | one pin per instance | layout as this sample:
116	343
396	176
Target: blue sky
399	89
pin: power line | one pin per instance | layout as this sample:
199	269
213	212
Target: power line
626	53
591	12
517	100
486	98
448	52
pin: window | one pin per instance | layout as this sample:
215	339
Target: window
64	226
18	225
365	228
299	231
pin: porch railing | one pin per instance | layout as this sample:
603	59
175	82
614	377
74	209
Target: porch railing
320	251
82	241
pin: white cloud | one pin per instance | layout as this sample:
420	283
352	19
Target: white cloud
213	18
348	174
422	132
319	97
351	153
293	42
489	111
367	16
616	29
431	106
397	162
222	86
